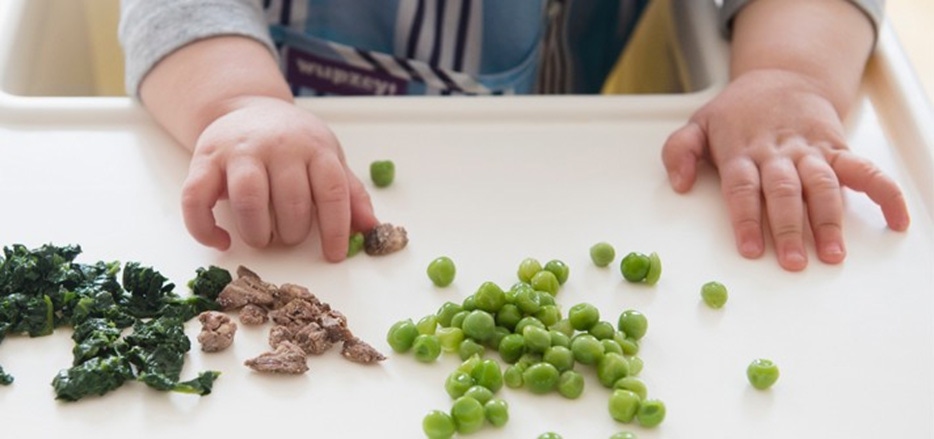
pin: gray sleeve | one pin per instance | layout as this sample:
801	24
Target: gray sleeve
152	29
872	8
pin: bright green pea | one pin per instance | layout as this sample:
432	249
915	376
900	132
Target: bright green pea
480	393
632	384
402	335
624	435
529	301
489	297
447	311
610	345
469	303
633	323
512	376
427	325
583	316
651	413
441	271
762	373
479	325
603	330
545	299
457	320
624	405
382	172
508	316
541	377
635	266
355	244
559	338
488	374
545	281
560	270
571	384
536	339
635	365
468	415
587	349
550	435
548	314
438	425
610	368
528	359
511	347
560	357
714	294
528	321
602	254
468	348
451	338
468	365
627	344
497	412
499	333
655	269
426	348
527	268
457	383
563	326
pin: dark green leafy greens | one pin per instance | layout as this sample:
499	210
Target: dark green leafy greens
43	288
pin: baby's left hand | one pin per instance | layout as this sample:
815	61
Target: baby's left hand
780	148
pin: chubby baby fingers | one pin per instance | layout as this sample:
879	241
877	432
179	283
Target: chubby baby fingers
861	175
200	192
291	201
682	151
824	207
784	201
248	189
330	191
741	188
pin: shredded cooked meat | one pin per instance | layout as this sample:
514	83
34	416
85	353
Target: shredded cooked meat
253	315
217	331
286	358
359	351
385	239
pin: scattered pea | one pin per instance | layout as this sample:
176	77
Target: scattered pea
451	339
610	368
480	393
528	321
402	335
497	412
714	294
587	349
633	323
655	269
559	338
382	172
508	316
762	373
603	330
635	365
457	383
468	415
540	377
560	357
632	384
511	347
527	268
355	244
611	346
441	271
602	254
467	366
548	314
635	266
512	376
488	374
560	270
583	316
427	324
545	281
489	297
529	301
624	405
468	348
457	320
446	312
651	413
536	339
478	325
571	384
426	348
438	425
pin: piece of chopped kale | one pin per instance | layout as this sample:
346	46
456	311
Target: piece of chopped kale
95	376
147	290
7	379
202	385
209	282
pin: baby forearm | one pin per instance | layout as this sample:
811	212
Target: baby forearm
827	41
206	79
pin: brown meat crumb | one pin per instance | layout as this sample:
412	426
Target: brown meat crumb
248	288
385	239
253	315
217	331
287	358
313	339
359	351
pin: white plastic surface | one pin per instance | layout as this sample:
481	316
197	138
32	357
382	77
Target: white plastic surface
489	182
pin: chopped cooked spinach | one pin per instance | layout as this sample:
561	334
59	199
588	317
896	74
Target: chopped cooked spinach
43	288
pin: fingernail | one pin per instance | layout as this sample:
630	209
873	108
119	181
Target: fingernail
750	249
675	179
833	249
795	259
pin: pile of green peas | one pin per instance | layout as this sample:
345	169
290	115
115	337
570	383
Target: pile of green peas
543	350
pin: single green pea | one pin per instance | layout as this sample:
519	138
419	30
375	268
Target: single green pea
624	405
478	325
762	373
442	271
499	333
467	366
550	435
438	425
529	301
528	321
545	281
651	413
468	415
571	384
497	412
508	316
583	316
602	254
635	365
355	244
560	270
632	384
382	172
536	339
633	323
512	376
457	320
402	335
527	268
489	297
548	314
468	348
629	345
447	311
610	368
714	294
560	357
563	326
545	299
634	266
480	393
488	374
611	346
528	359
511	347
469	303
451	338
655	269
603	330
541	377
427	324
587	349
457	383
559	338
426	348
624	435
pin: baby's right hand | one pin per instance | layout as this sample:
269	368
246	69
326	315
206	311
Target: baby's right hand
282	169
